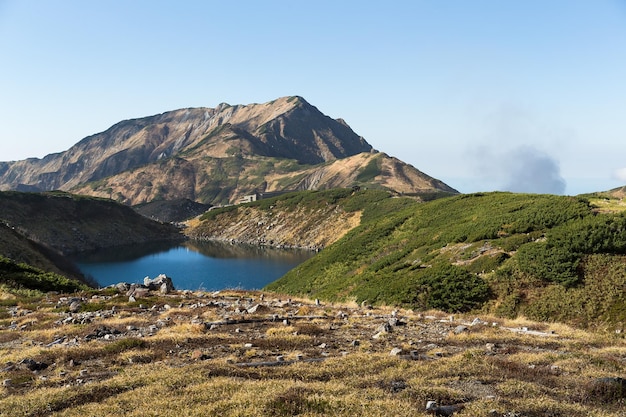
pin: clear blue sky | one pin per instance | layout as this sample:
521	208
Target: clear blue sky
526	95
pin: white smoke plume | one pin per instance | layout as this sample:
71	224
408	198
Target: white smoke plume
532	171
508	157
524	169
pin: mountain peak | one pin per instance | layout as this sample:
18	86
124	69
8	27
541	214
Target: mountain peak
209	155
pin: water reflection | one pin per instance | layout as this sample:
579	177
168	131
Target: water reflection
217	249
124	253
192	264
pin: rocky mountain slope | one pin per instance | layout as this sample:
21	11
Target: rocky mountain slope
312	220
171	211
216	156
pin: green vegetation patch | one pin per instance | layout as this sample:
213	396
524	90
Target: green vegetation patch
20	276
500	252
370	171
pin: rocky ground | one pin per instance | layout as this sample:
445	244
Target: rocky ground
63	341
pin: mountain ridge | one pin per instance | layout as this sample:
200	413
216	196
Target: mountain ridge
211	155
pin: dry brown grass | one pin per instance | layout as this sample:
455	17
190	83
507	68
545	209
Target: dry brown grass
171	364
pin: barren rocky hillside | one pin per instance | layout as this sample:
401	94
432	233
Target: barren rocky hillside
302	227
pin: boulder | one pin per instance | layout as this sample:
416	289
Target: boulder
162	283
257	308
75	306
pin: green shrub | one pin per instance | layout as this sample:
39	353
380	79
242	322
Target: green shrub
556	264
211	214
22	276
452	289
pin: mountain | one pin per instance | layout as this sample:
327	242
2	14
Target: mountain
171	211
218	155
66	223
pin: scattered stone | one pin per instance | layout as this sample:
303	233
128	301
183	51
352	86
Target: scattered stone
56	342
75	306
33	365
101	333
477	321
444	410
384	328
460	329
257	308
7	382
395	351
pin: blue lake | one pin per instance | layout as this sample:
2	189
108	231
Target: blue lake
192	265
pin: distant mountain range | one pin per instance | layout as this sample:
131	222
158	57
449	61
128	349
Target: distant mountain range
217	156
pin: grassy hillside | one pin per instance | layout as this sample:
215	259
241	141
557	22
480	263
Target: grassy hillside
543	256
20	249
70	223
